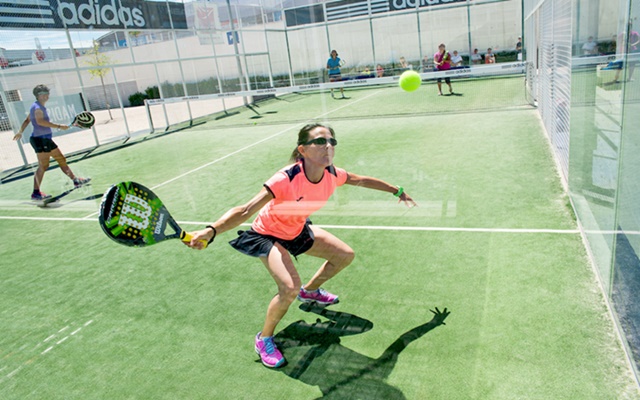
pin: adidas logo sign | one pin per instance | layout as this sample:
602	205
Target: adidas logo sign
94	13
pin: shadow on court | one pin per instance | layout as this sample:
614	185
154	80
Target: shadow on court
626	286
316	357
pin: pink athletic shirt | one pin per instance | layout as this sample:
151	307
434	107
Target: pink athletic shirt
295	199
438	58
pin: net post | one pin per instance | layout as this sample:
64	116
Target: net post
149	118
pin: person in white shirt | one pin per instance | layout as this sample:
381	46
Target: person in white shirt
456	59
476	58
590	47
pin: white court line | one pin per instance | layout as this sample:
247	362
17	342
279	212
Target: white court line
45	218
360	227
45	351
249	146
450	229
381	227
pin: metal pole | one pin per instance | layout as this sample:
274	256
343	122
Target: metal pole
373	41
286	39
266	40
124	115
235	49
523	58
215	60
84	97
469	29
175	43
419	66
160	91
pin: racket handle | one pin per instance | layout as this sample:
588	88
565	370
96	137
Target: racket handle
185	237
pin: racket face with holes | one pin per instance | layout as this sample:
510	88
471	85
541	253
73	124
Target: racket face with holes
133	215
84	120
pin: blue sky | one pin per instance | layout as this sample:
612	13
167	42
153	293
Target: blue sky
22	39
15	39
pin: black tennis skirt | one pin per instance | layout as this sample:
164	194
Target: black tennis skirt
42	145
255	244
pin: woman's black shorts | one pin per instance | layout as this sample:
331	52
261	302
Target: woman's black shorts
42	145
255	244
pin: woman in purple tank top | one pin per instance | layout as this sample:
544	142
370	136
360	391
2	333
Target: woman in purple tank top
43	144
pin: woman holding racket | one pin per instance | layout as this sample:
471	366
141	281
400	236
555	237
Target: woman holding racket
333	66
282	228
442	62
43	144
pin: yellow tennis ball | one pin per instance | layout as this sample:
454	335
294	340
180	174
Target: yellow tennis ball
410	81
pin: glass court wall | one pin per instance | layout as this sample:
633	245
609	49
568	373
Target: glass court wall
587	96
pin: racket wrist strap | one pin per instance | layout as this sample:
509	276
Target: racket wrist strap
214	233
399	192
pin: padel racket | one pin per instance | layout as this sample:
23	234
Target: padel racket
84	120
133	215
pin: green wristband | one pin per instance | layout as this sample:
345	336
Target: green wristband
400	191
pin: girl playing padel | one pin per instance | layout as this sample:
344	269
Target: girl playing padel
282	228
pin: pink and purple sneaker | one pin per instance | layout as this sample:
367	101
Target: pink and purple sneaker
269	353
319	296
38	195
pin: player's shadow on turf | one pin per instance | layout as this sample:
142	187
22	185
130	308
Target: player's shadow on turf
316	357
454	94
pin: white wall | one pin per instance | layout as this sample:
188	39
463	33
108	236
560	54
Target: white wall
495	25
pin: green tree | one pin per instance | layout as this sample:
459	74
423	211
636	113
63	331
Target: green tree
134	37
98	60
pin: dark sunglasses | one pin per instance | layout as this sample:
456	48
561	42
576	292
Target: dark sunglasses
321	141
